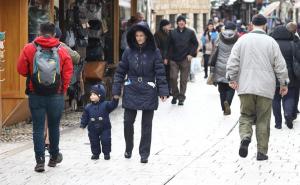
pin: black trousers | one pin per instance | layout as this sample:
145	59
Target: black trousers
226	93
206	60
145	143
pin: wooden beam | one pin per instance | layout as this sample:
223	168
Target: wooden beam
133	7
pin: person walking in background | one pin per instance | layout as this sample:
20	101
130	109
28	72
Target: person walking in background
292	27
285	40
96	117
48	68
218	60
208	43
162	40
183	46
254	62
146	81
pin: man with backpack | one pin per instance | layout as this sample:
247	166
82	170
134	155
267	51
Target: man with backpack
48	68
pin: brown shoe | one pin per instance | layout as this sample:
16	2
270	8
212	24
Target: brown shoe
227	110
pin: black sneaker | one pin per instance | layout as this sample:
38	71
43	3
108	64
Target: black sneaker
127	155
243	152
174	101
144	160
289	124
278	126
261	156
40	164
55	159
107	157
181	102
95	157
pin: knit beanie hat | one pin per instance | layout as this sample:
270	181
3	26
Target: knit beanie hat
230	26
259	20
163	23
180	18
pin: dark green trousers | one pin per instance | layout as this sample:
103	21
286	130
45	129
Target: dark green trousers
256	110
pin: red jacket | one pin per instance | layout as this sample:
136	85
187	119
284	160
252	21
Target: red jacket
25	63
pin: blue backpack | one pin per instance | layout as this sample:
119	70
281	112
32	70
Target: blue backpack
46	77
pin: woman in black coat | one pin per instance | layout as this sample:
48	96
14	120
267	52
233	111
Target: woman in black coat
285	40
146	80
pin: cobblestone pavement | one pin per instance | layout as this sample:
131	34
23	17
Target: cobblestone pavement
193	144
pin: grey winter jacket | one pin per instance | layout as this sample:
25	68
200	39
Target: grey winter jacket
254	61
224	45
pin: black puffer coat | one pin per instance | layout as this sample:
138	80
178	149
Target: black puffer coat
145	71
284	39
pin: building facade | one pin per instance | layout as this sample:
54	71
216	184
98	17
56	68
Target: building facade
197	12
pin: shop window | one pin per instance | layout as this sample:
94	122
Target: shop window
88	26
126	21
172	20
158	19
204	20
38	13
196	22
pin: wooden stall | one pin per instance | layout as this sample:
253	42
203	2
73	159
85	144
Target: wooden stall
14	22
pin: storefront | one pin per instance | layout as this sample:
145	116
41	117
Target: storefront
92	27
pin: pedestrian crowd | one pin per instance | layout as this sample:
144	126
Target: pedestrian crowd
264	70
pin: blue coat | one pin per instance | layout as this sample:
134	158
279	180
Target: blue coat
98	113
93	111
145	71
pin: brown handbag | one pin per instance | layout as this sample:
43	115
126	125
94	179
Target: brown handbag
94	70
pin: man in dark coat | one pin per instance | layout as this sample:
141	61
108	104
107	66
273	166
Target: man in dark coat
183	46
162	40
285	40
146	80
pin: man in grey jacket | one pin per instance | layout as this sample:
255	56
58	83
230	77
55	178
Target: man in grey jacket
254	62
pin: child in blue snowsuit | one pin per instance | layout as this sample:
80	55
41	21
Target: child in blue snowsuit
96	117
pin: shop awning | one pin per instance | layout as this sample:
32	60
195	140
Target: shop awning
270	8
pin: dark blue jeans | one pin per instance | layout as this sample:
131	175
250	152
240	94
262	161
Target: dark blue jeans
288	103
40	106
297	91
226	93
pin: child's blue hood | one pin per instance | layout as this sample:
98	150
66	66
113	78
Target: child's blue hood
99	90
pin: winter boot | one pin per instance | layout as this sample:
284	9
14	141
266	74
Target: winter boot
289	124
227	110
174	101
144	160
127	155
261	156
40	164
243	152
55	159
181	103
95	157
106	156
